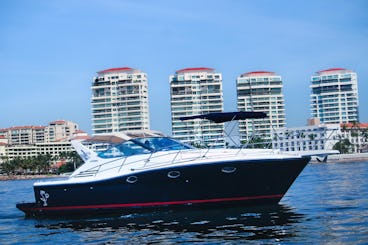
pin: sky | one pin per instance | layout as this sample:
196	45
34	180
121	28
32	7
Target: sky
51	50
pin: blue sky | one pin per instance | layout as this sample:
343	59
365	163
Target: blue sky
50	50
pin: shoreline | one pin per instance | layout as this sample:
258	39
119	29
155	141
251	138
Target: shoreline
27	176
344	158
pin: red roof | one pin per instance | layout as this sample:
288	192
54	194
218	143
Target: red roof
1	143
26	127
194	69
115	70
79	132
331	70
21	127
352	125
82	137
258	73
61	139
59	122
58	164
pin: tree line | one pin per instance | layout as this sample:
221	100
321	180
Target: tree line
41	164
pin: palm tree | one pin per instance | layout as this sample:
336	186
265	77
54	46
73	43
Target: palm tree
364	135
12	166
7	167
343	145
355	129
73	161
256	142
312	136
18	165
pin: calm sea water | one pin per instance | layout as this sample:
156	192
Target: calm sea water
328	204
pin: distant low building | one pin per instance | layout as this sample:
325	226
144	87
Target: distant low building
313	121
30	141
33	150
60	130
24	135
322	137
357	134
306	138
3	143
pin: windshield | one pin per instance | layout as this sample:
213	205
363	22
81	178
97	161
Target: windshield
143	146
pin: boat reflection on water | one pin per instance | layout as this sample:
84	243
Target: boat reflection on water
214	224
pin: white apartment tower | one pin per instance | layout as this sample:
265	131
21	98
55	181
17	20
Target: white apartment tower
260	91
119	101
196	91
334	96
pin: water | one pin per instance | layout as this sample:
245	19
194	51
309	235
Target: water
328	204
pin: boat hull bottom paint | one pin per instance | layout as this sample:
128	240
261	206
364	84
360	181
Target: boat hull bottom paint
245	183
34	210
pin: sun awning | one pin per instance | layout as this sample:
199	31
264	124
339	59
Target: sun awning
220	117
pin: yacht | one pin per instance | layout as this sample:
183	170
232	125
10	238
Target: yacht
147	170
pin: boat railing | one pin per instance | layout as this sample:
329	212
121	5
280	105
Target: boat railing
150	162
95	170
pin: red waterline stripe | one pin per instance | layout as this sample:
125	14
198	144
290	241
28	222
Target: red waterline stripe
145	204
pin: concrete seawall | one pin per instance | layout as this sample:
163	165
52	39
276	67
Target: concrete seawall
25	177
356	157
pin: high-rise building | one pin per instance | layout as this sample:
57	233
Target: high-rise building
119	101
260	91
196	91
334	96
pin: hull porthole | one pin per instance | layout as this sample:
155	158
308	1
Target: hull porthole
132	179
173	174
228	170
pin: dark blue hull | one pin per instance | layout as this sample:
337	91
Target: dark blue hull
205	185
